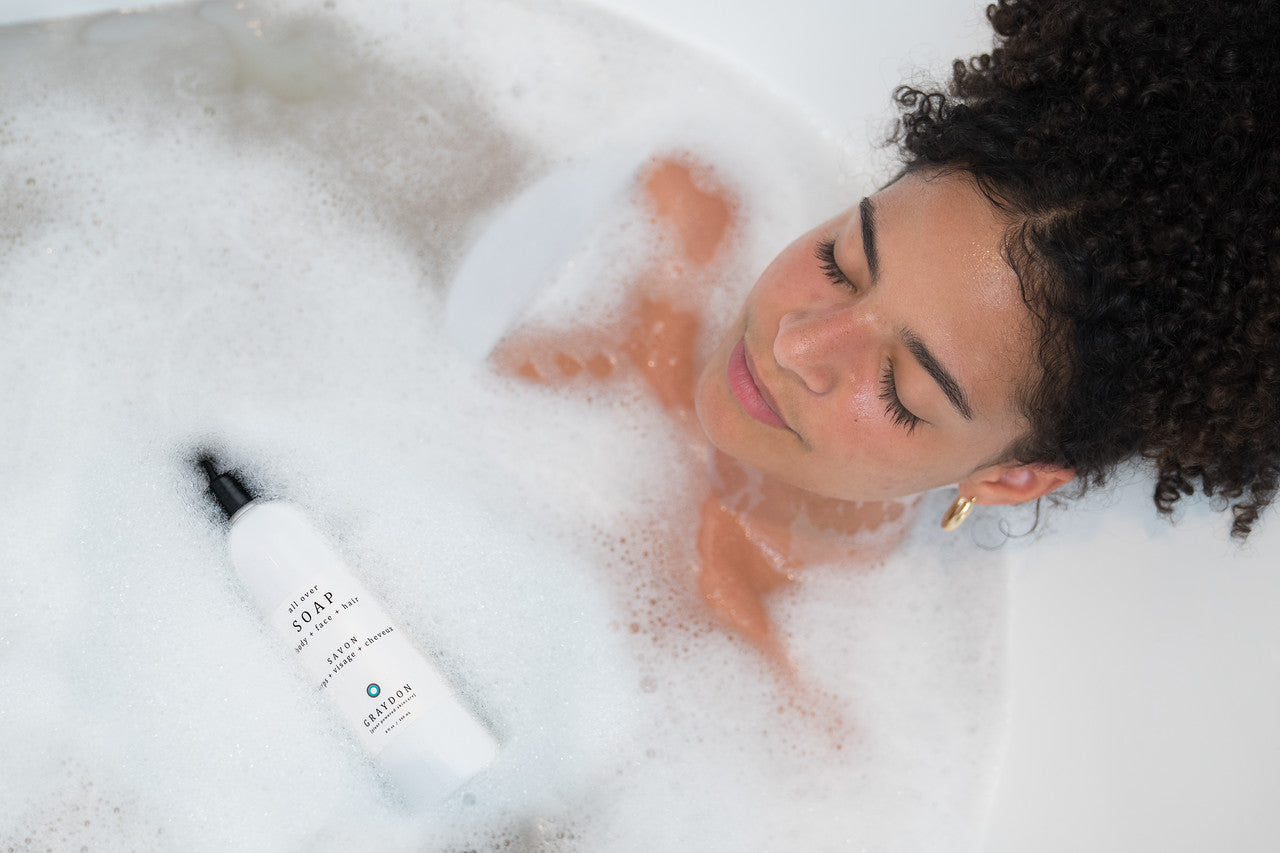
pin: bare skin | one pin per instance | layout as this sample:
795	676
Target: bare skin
884	353
756	530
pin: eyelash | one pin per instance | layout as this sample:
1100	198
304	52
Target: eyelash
893	405
825	252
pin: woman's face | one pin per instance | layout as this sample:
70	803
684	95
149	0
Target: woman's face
880	354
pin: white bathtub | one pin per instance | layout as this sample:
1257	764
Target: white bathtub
1145	659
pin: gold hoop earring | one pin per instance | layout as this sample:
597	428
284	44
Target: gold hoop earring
957	513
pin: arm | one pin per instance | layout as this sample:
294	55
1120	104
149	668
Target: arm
655	337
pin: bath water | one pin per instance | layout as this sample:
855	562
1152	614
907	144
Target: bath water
233	227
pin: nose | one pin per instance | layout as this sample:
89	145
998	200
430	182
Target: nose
819	345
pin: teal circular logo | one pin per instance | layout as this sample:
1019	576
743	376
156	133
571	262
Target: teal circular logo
373	690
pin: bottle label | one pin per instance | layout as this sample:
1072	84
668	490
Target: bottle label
349	644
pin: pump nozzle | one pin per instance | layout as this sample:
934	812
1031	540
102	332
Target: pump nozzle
230	493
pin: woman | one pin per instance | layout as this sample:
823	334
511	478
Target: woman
1114	168
1077	267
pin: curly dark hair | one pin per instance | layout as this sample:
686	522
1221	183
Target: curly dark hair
1135	147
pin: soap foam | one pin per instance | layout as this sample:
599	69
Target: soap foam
234	229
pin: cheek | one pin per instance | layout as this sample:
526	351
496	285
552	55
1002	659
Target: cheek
848	431
852	415
789	279
862	448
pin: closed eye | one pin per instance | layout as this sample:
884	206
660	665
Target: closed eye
825	252
893	407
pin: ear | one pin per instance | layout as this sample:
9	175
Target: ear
1013	483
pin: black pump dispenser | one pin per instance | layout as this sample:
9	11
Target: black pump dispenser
231	494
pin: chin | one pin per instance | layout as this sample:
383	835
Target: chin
716	413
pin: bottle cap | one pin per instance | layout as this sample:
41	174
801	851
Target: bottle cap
230	493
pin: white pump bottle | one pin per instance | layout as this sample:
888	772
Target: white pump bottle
393	699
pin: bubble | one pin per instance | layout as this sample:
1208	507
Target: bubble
254	215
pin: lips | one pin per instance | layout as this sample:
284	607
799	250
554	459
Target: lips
754	399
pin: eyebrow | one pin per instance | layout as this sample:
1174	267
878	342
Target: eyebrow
940	375
867	214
